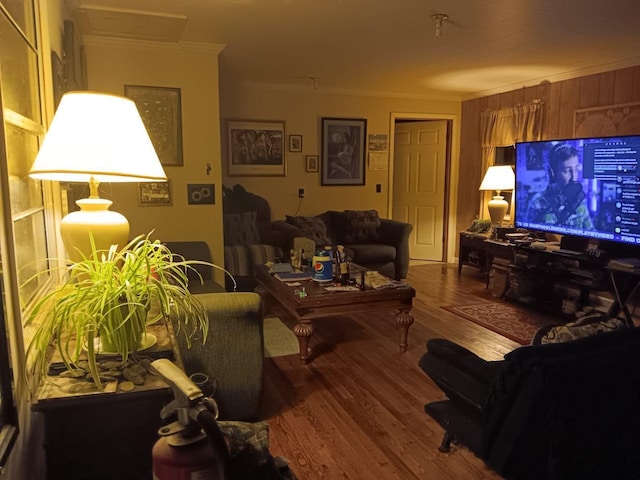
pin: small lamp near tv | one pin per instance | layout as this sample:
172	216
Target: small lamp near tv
498	178
96	137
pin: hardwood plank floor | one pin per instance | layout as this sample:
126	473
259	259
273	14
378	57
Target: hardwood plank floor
356	412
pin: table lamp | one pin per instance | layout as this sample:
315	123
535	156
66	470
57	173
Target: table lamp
498	178
96	137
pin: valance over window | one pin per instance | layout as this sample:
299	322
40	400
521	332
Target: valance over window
504	127
510	125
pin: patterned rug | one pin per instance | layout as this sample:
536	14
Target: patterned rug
516	324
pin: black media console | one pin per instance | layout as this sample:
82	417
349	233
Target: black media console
544	276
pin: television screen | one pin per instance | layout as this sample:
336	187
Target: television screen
588	187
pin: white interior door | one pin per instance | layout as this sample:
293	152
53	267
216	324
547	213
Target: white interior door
419	184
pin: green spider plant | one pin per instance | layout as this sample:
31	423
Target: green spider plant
107	296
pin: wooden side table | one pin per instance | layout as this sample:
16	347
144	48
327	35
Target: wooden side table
478	251
105	435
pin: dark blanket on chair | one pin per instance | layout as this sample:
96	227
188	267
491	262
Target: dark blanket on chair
557	411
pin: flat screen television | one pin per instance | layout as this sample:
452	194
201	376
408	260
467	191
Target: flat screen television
584	187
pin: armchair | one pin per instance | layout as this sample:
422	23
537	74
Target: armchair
197	250
233	353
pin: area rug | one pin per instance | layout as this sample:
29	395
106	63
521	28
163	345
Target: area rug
516	324
279	340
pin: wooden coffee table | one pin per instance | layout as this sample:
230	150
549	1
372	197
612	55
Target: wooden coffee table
322	303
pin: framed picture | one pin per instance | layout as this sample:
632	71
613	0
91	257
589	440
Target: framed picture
201	194
160	109
154	194
58	78
73	59
256	148
295	143
312	163
343	151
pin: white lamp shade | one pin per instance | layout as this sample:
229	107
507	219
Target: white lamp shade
99	136
499	177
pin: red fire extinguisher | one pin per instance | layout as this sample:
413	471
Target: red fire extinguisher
193	447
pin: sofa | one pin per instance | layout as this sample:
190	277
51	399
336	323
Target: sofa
550	411
249	238
370	241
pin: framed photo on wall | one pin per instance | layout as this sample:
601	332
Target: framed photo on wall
154	194
312	162
343	151
295	143
256	148
160	109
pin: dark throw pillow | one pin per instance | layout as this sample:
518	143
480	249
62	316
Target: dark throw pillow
240	228
313	228
361	226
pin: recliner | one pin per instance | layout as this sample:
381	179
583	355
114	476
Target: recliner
555	411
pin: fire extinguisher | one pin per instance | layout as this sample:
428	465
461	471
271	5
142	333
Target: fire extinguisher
192	447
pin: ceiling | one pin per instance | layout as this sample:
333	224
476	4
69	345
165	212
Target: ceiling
386	47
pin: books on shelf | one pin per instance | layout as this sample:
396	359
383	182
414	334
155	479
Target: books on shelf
631	263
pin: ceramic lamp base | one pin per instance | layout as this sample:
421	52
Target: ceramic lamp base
93	219
497	209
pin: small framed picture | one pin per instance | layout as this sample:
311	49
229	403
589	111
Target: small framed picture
312	163
295	143
154	194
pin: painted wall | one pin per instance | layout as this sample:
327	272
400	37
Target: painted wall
302	110
113	63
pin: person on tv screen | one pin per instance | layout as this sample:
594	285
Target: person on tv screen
563	202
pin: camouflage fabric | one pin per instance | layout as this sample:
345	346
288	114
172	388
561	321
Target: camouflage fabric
249	450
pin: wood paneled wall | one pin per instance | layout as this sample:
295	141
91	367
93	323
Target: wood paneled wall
561	99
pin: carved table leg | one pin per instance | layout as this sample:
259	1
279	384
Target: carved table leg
303	331
404	319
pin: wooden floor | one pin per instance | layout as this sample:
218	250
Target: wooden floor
356	412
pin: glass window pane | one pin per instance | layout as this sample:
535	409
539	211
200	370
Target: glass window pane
31	254
20	86
22	13
8	431
22	147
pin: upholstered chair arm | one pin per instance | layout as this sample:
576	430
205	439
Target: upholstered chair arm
396	233
233	353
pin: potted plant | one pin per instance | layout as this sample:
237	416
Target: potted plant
103	305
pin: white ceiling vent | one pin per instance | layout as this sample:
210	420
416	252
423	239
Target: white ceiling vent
134	24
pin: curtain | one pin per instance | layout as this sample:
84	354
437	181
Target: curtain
510	125
504	127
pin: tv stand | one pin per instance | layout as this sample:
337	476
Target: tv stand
624	284
545	278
